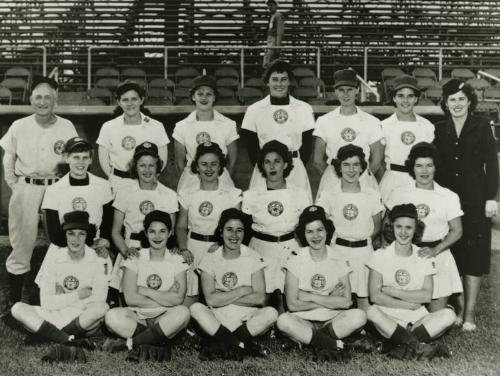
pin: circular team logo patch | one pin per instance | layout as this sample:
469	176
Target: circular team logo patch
59	147
318	282
280	116
275	208
79	203
350	212
205	208
128	143
154	281
348	134
229	280
146	207
402	277
71	283
407	138
203	137
423	211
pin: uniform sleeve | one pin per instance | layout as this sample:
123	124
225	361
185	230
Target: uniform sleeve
236	197
132	264
453	208
377	206
293	265
232	133
171	201
51	198
99	282
257	264
307	118
430	132
71	130
319	129
375	132
429	267
160	135
207	264
343	268
106	193
104	138
305	200
376	261
120	202
249	120
179	134
180	264
8	141
183	199
47	261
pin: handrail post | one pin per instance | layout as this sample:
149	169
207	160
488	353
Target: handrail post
165	63
318	62
44	60
242	67
89	68
440	68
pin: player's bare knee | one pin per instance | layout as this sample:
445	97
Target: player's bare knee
197	310
373	314
112	317
357	318
99	310
18	310
285	322
447	316
181	315
271	315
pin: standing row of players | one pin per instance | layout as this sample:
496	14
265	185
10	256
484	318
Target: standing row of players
279	132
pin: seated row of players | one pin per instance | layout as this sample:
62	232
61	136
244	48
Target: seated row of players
73	283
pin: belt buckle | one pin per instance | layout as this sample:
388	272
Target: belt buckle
206	238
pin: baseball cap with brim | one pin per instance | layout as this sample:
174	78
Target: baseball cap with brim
345	77
39	80
76	220
403	210
157	216
146	148
204	80
74	143
405	81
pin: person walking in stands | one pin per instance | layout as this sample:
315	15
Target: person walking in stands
402	130
469	167
275	32
281	117
33	146
204	124
119	137
347	124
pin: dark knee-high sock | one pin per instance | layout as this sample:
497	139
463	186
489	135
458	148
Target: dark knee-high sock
224	335
139	329
243	334
75	328
401	335
328	329
150	336
50	332
16	282
321	340
421	333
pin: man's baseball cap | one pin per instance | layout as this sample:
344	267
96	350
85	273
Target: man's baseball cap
403	210
76	220
405	81
204	80
157	216
345	77
76	142
146	148
452	87
39	80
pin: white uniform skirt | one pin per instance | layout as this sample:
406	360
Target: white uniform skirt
148	313
188	179
117	273
318	314
404	316
232	316
298	177
357	259
275	255
199	249
393	180
330	179
60	317
447	279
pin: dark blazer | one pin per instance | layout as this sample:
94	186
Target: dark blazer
469	163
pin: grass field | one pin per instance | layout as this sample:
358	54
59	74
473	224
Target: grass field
474	354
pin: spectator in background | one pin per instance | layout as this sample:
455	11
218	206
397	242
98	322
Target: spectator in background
275	31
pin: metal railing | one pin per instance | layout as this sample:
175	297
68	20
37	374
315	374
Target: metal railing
44	53
166	49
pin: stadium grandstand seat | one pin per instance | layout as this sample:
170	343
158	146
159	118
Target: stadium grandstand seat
227	72
434	94
489	109
107	72
462	74
317	101
305	93
159	96
443	81
301	72
91	101
421	72
165	83
133	74
19	72
248	95
228	82
425	82
71	97
256	82
479	85
108	83
18	87
100	93
142	82
424	101
184	102
314	82
331	98
181	93
492	94
5	96
388	73
187	72
185	83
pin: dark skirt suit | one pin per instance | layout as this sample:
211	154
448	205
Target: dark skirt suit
469	167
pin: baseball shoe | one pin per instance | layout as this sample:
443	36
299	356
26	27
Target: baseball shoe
83	343
63	353
114	345
255	350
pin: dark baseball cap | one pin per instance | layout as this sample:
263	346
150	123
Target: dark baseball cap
76	142
204	81
345	77
39	80
405	81
157	216
76	220
403	210
146	148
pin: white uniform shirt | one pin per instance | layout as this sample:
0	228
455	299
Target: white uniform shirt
157	275
136	203
317	277
64	197
284	123
38	150
204	207
400	136
351	213
233	273
121	139
337	130
434	207
58	268
406	273
275	212
190	133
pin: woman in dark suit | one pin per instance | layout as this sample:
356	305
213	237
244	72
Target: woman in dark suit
470	169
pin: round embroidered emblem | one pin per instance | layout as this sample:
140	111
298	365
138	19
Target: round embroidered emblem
280	116
59	147
423	210
318	282
407	138
128	143
79	203
350	212
402	277
146	207
275	208
348	134
71	283
205	208
202	138
154	281
229	280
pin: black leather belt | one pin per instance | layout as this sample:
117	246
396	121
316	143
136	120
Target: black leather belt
396	167
294	154
40	181
272	238
121	174
202	238
136	236
351	244
429	244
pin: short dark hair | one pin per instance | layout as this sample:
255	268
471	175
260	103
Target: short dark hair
351	152
279	148
279	66
388	231
421	153
233	213
208	148
300	231
132	170
468	91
